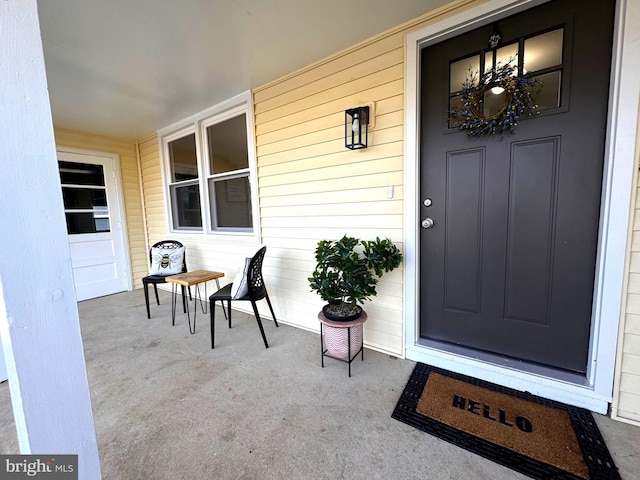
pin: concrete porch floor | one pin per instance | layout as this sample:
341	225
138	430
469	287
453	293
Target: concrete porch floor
166	406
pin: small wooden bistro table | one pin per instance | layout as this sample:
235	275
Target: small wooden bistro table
332	336
189	279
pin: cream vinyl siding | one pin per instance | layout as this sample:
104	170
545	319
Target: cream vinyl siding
626	401
126	150
152	191
312	188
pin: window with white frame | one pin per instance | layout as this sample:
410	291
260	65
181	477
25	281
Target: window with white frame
210	171
228	175
184	189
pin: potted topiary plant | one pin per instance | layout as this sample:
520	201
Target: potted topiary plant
347	273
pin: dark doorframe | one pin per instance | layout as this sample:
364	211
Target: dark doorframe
592	391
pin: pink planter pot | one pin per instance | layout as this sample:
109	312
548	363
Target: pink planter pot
337	344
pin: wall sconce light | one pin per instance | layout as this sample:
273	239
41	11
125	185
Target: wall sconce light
356	127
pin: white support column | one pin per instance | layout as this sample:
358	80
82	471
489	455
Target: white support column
39	322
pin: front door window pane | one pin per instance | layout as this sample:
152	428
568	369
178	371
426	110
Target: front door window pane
504	55
543	51
541	58
227	142
547	94
458	72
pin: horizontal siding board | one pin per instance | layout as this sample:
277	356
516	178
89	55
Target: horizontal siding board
365	69
634	283
631	344
337	171
375	194
630	403
630	383
335	132
335	184
317	234
341	63
636	223
334	221
635	242
360	208
380	92
383	107
632	324
630	364
633	303
149	148
89	141
394	72
330	152
634	417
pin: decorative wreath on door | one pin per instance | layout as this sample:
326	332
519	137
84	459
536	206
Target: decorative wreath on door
501	80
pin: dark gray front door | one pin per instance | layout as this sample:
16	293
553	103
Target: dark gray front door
508	265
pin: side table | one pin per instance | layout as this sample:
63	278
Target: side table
187	280
339	339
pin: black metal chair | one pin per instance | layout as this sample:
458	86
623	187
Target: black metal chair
156	279
256	290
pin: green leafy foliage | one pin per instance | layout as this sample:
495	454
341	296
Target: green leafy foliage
348	269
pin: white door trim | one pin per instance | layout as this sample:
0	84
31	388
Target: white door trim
595	391
115	158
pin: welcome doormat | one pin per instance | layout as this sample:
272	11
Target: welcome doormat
535	436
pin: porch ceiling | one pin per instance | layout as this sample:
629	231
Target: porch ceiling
125	69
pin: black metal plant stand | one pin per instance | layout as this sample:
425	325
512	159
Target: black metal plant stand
324	322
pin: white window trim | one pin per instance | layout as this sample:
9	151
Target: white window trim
242	103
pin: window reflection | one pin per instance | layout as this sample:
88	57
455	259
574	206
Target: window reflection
183	159
72	173
504	55
547	95
227	142
543	51
459	70
232	202
186	206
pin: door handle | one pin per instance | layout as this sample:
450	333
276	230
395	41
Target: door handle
427	223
